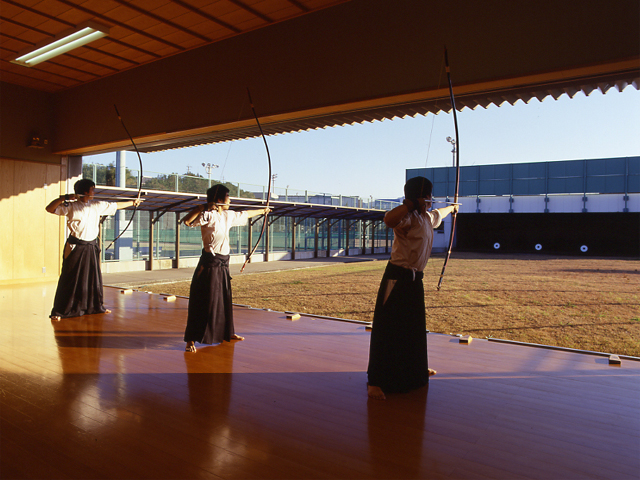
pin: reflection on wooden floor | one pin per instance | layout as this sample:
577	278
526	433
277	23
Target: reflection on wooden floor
116	396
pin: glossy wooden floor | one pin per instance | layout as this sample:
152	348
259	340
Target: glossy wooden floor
115	396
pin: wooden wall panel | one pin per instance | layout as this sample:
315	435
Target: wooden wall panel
28	219
30	238
6	214
25	113
53	224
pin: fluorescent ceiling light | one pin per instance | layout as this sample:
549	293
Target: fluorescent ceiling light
81	35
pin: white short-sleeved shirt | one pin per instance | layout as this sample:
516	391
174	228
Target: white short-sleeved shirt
83	219
215	229
413	239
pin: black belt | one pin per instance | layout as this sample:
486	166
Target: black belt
396	272
214	260
76	241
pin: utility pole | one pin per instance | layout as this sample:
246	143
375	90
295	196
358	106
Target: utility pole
452	141
209	167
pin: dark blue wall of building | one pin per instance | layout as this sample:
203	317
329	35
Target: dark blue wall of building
602	175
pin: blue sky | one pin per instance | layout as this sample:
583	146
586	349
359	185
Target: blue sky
371	159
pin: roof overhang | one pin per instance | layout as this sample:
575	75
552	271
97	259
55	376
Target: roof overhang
497	92
353	62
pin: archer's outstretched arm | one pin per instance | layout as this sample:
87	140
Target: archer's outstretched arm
131	203
393	217
255	213
447	210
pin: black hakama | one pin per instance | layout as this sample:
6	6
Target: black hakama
79	289
398	350
210	317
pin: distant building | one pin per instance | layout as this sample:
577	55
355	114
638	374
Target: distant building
576	207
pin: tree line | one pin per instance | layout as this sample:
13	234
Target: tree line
185	183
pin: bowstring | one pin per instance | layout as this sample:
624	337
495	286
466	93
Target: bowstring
224	165
265	219
135	207
433	115
433	270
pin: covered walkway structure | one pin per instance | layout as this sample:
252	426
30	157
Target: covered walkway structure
368	234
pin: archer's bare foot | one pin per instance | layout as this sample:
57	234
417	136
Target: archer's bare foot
107	311
375	392
236	337
55	318
191	347
432	372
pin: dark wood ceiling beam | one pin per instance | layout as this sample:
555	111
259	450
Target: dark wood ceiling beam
69	24
25	26
209	17
45	72
118	57
253	11
52	86
163	20
104	18
301	6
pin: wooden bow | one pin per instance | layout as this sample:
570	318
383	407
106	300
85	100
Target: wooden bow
135	206
264	222
457	187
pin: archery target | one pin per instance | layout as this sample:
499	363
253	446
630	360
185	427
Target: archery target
538	246
496	246
584	248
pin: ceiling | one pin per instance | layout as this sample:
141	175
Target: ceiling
179	70
141	32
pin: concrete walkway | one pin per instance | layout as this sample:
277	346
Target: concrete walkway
151	277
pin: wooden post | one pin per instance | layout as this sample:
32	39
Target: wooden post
177	256
151	235
249	239
386	242
293	238
373	237
266	239
100	232
315	244
363	240
346	248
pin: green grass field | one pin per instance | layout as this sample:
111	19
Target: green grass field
584	303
